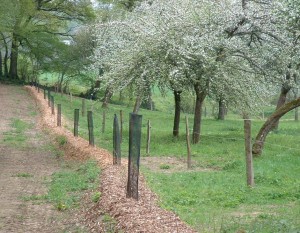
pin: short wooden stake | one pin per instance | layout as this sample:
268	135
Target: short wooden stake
121	125
116	142
45	94
103	121
49	98
248	150
135	127
91	128
52	105
188	143
76	122
148	137
59	115
83	107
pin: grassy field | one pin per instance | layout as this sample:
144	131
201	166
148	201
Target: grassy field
213	196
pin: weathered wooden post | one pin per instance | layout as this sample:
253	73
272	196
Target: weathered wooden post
188	143
76	122
91	128
83	107
44	93
148	137
58	114
135	126
103	121
121	125
116	142
248	149
52	105
38	87
49	98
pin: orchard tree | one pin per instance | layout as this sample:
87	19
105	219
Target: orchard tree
35	24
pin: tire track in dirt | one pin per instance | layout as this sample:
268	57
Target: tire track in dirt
24	167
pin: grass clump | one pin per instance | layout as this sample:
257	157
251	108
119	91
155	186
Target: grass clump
96	197
24	175
16	137
61	140
164	166
67	184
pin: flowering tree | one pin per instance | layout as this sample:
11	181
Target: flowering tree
211	47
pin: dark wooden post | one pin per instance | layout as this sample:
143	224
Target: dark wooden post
188	143
49	98
76	122
116	142
58	114
83	107
38	87
121	125
148	137
103	121
248	149
91	128
44	93
52	105
135	126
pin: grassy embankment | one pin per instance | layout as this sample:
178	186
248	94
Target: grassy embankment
213	196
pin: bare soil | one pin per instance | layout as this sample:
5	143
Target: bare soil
25	168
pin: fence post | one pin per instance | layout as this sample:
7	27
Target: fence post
116	142
76	121
83	107
188	143
249	162
44	93
148	137
52	105
49	98
91	128
58	114
103	121
135	125
38	87
121	125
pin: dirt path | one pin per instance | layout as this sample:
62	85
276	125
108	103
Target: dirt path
25	165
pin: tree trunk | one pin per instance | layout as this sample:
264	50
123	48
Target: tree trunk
296	109
5	62
200	96
137	104
222	110
1	69
282	98
267	127
177	98
107	96
13	69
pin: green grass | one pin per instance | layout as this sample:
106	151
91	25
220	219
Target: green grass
217	198
16	137
65	187
24	174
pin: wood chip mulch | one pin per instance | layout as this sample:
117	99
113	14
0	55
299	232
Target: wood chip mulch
131	216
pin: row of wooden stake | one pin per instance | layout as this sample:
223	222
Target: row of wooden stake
118	131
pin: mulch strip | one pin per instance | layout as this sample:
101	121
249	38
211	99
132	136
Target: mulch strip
143	215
